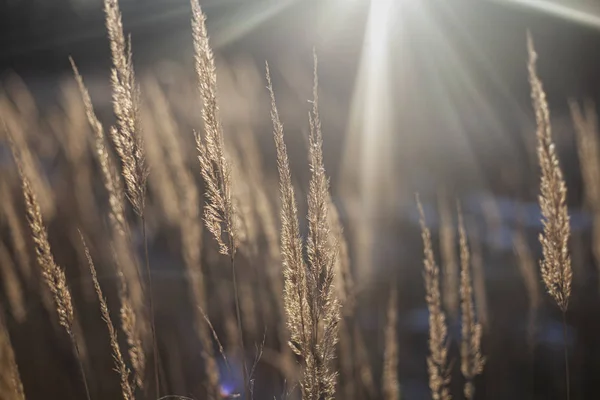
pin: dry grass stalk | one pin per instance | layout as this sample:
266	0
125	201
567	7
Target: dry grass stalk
322	258
472	361
450	271
437	363
11	386
128	137
219	210
311	306
120	366
273	309
130	303
128	140
294	269
109	173
12	285
53	275
391	386
556	264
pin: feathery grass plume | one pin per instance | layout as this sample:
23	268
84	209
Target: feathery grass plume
219	210
588	146
109	174
294	269
12	285
190	227
130	302
556	264
391	386
273	308
16	230
311	306
11	386
110	179
450	271
120	366
128	140
128	137
53	275
472	361
437	364
322	256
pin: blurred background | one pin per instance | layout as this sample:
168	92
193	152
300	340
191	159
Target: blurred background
416	96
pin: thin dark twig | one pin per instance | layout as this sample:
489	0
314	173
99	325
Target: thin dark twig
216	337
239	320
151	301
81	369
567	374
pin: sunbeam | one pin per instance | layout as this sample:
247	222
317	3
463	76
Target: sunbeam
580	12
367	158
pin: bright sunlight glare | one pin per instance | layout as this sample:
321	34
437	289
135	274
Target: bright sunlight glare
367	156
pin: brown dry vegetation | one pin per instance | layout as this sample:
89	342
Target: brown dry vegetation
280	315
